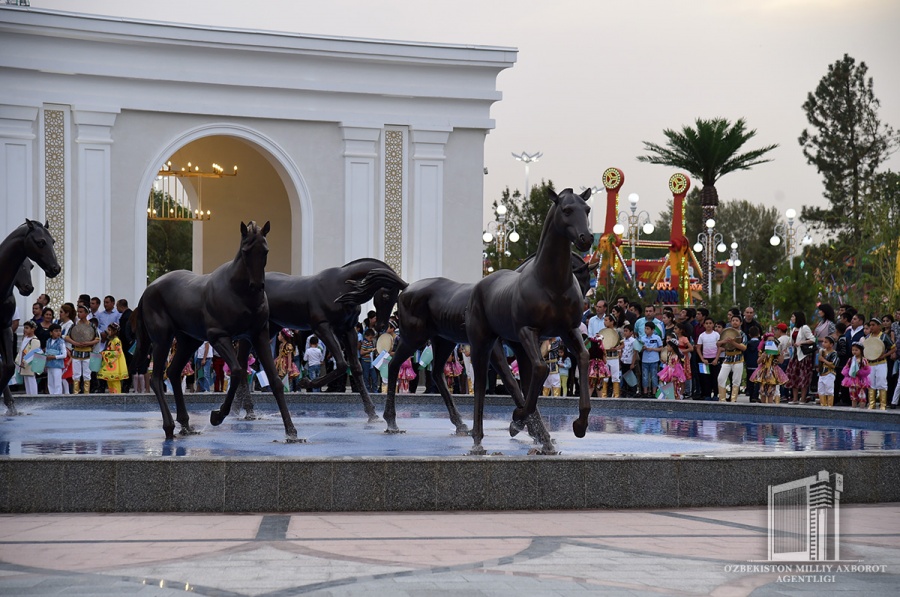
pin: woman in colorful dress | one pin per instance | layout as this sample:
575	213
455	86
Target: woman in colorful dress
114	369
800	367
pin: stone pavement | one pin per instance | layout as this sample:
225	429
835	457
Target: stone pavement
609	552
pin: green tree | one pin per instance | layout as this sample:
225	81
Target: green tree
707	152
528	219
169	243
847	144
794	289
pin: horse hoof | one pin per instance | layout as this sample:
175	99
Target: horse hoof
516	427
187	430
251	416
373	419
462	430
12	412
394	430
294	440
544	451
579	427
477	450
216	417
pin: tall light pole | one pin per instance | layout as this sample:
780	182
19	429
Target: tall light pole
501	231
708	242
789	233
734	261
634	220
527	159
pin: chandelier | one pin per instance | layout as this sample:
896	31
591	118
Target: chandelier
168	198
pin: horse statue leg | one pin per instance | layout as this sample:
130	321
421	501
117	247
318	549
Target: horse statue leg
575	344
480	355
352	356
7	369
185	349
533	422
403	352
442	349
242	395
221	342
530	340
160	353
268	362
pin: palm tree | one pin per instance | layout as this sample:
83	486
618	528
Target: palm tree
708	152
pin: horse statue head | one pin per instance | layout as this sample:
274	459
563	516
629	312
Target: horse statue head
254	253
22	280
570	217
39	247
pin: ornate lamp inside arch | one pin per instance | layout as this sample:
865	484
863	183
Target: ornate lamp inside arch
168	198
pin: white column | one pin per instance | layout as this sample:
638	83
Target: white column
17	135
92	237
360	208
425	253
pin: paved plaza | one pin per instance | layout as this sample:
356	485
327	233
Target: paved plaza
611	552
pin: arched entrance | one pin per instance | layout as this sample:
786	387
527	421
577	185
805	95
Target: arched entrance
269	186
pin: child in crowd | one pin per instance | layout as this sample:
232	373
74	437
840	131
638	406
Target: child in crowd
708	352
564	362
828	360
56	358
683	333
314	357
626	361
366	355
856	376
30	343
768	374
114	369
452	370
553	383
751	361
285	367
613	358
653	346
406	374
674	372
598	370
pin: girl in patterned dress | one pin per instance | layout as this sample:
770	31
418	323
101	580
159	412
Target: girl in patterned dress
598	370
673	371
452	370
856	376
407	373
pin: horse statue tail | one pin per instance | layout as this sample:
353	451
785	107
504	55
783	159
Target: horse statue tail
363	290
142	338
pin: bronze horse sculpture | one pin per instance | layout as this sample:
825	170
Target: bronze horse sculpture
538	302
227	305
25	286
323	304
434	309
31	240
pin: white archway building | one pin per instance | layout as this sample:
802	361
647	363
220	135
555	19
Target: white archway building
377	146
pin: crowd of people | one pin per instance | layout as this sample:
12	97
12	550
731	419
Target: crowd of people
842	358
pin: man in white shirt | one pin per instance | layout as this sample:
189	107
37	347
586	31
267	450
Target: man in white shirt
596	323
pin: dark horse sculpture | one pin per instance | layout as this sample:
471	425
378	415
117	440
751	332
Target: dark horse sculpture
322	303
434	309
228	304
31	240
25	287
538	302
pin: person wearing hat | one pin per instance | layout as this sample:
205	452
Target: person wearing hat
878	365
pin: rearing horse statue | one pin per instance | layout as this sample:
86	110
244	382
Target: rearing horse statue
31	240
523	307
25	286
228	304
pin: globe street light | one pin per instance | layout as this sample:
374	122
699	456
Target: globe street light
501	231
734	262
789	233
527	159
708	242
634	220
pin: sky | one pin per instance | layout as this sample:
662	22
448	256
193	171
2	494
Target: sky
594	79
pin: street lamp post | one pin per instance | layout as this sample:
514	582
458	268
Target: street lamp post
734	261
527	159
501	231
634	220
789	234
708	242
